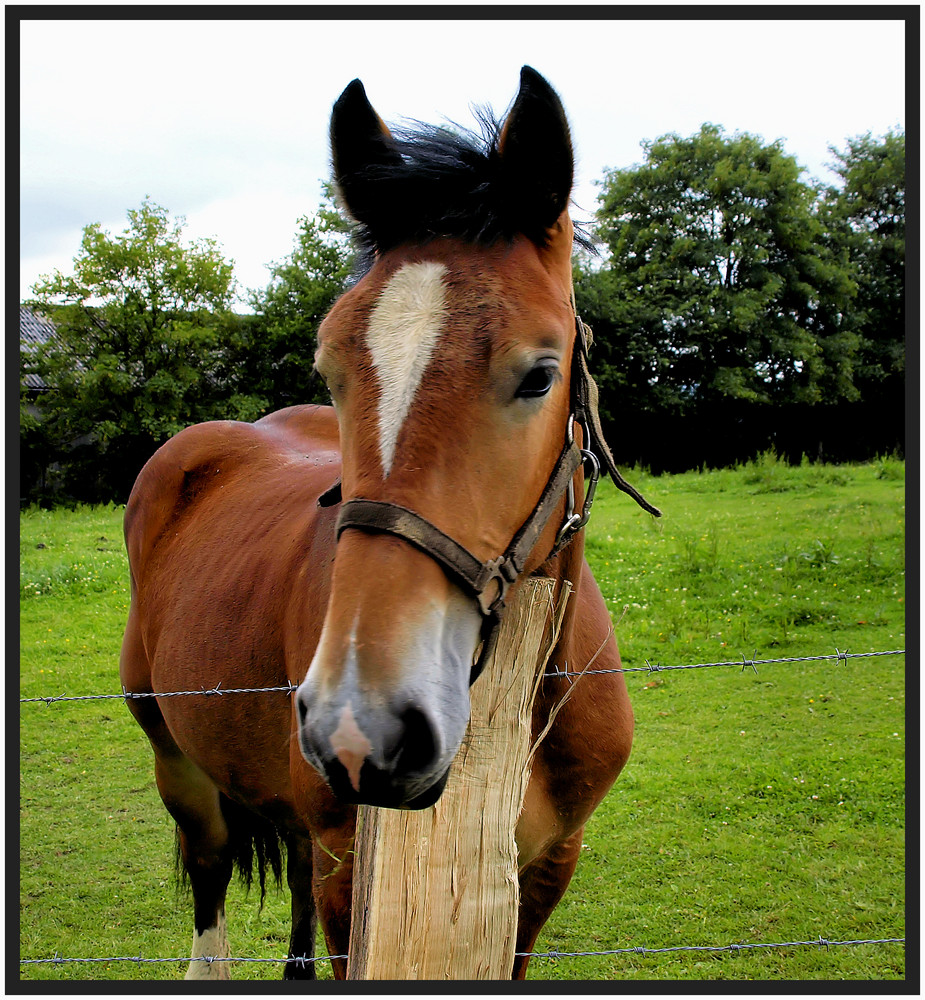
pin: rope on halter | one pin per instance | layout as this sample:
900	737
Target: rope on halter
588	401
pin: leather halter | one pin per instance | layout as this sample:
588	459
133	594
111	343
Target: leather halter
489	581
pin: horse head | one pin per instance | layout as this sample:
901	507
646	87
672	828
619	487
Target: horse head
449	363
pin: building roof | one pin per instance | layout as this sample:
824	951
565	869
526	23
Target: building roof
34	331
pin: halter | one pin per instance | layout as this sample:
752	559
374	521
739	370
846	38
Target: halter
490	581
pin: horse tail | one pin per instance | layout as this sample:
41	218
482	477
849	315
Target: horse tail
255	845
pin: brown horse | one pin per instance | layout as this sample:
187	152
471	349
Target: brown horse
364	552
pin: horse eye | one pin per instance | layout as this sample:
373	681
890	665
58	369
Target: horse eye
537	382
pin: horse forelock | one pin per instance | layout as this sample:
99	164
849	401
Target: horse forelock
448	183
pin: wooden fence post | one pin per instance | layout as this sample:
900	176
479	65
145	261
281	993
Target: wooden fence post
435	891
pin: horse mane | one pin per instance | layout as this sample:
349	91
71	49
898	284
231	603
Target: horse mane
448	182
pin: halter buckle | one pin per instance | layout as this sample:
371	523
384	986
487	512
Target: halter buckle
505	572
573	520
593	477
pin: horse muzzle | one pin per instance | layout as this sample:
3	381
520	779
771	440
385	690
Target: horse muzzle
395	756
384	704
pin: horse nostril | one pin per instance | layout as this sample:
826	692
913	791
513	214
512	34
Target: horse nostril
301	708
416	748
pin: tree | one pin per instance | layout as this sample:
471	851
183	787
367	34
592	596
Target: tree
867	219
278	356
718	294
143	327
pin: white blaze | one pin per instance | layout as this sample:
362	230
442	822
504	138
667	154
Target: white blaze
402	334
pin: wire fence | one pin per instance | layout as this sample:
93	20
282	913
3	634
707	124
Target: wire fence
302	960
842	656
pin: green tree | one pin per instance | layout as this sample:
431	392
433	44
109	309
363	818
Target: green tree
867	219
278	356
143	330
717	285
720	304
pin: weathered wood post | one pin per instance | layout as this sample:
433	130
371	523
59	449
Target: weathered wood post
435	891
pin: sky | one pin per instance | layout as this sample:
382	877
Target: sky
225	122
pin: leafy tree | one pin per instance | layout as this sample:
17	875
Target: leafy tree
721	304
278	356
867	219
717	285
143	328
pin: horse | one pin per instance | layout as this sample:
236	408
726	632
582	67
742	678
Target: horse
359	556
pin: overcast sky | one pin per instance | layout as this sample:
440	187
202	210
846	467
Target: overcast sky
225	121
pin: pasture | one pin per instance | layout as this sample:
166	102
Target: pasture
756	808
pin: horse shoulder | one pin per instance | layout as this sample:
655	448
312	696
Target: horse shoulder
600	702
224	535
584	748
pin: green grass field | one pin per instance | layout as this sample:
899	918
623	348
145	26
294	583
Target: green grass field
759	807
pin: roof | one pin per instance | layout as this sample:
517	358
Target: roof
34	331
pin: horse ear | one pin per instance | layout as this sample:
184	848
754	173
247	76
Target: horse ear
536	151
360	143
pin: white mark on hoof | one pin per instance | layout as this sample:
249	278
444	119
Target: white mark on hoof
212	943
402	334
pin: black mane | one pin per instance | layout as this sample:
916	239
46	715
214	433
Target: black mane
448	182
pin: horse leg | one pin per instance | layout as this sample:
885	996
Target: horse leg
304	914
542	884
333	889
194	801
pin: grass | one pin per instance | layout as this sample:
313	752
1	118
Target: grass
756	808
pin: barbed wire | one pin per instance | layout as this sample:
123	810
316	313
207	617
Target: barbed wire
303	960
132	695
820	942
840	655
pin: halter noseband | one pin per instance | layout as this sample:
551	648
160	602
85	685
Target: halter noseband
488	582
